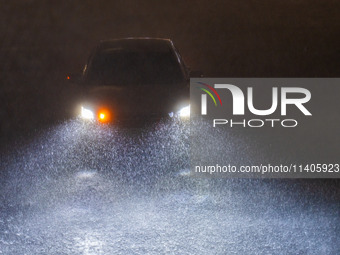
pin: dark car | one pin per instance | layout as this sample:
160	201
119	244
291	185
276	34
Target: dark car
134	79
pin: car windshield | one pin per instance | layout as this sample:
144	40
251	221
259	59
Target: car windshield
126	67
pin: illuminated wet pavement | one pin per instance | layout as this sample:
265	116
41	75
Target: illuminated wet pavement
83	189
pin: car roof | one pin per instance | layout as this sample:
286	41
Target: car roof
136	43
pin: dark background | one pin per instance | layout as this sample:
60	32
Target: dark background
43	41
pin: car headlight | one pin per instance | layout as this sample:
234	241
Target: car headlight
184	112
86	114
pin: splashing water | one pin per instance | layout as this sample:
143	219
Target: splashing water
81	188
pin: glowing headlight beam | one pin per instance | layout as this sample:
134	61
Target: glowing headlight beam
184	112
86	114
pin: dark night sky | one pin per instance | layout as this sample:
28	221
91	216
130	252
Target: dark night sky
42	41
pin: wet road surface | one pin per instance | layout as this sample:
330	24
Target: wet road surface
87	189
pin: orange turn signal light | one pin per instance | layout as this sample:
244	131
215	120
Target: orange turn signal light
104	115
